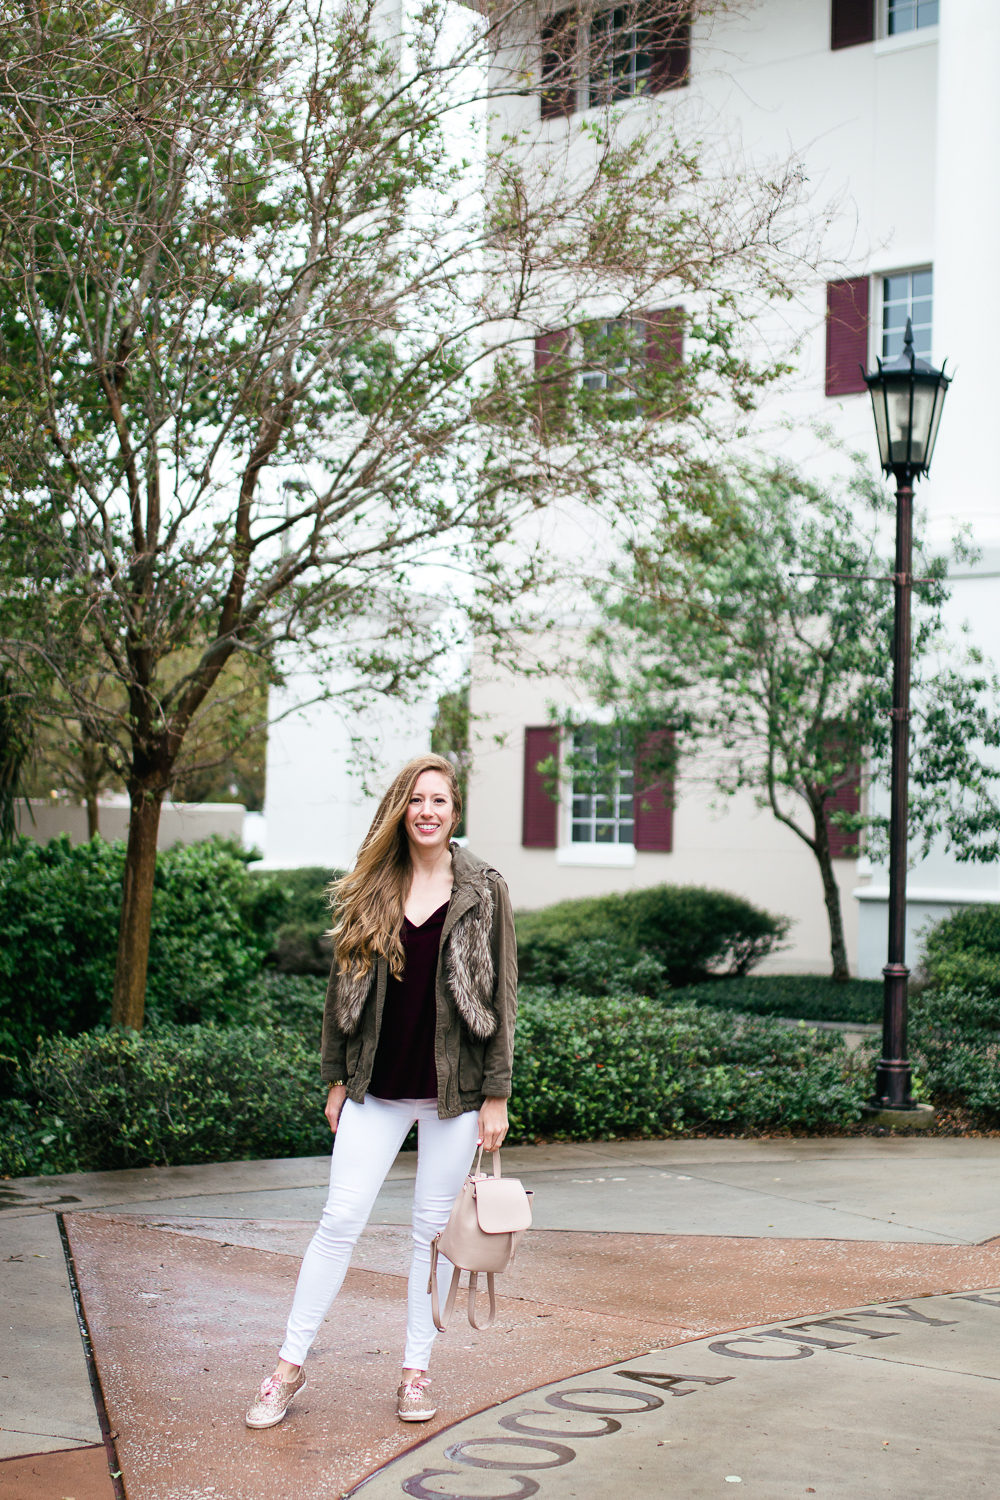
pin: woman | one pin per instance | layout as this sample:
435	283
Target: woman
418	1027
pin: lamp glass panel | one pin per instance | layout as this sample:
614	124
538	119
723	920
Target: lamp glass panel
939	393
881	426
897	400
910	445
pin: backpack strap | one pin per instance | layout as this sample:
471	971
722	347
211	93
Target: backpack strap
441	1322
473	1278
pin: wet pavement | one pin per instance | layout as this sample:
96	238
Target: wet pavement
186	1274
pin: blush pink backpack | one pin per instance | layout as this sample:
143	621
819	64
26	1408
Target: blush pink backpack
487	1220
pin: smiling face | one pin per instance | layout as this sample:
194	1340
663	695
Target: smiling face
430	816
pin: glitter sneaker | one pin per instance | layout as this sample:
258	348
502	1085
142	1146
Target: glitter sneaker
413	1405
271	1402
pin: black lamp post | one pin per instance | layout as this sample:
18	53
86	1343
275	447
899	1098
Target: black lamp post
908	397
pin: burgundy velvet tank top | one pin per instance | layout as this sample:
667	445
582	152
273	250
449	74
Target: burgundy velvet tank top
404	1065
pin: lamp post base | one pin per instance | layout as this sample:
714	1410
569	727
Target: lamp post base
913	1117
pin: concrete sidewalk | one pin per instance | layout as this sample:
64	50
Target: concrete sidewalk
862	1217
874	1401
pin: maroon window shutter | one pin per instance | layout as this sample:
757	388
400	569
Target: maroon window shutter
559	43
549	347
665	336
851	23
654	798
551	350
539	812
670	53
845	798
846	336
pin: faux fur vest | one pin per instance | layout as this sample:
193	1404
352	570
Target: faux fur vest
468	964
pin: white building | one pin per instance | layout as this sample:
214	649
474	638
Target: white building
319	800
894	104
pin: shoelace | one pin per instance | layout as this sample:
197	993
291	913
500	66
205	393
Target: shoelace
270	1387
416	1387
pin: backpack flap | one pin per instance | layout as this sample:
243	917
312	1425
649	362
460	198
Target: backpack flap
502	1205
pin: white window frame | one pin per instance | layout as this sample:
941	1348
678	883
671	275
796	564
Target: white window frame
876	306
604	379
604	856
901	39
588	45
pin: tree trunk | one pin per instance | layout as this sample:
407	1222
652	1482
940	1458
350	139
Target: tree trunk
129	999
91	766
831	895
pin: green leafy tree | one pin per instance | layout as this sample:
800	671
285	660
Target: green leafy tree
769	649
267	350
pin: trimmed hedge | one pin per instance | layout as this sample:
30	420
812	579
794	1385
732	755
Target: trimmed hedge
165	1096
807	997
300	945
585	1067
59	910
691	931
590	1068
963	951
295	1002
954	1046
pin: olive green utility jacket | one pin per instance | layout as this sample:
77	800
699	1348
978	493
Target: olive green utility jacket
476	996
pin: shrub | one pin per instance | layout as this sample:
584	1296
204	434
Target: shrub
808	997
59	909
692	931
165	1096
295	1003
954	1046
963	951
300	945
598	967
587	1067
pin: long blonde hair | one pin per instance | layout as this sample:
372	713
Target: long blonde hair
370	899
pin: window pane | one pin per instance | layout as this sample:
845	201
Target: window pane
906	15
604	815
907	295
902	16
620	56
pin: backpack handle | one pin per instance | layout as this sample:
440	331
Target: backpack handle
477	1169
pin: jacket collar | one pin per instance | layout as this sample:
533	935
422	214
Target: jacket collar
469	873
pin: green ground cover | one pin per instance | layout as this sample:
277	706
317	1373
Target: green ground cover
807	997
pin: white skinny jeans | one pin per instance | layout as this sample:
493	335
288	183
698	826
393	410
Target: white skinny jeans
368	1137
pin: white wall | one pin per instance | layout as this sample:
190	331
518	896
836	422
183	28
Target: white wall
905	133
317	808
180	822
737	849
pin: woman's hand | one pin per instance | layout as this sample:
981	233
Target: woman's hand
492	1124
334	1104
